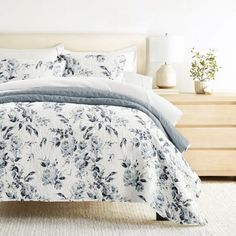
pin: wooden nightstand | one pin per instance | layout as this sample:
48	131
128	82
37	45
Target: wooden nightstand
209	123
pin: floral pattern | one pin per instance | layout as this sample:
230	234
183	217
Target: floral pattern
109	66
15	69
74	152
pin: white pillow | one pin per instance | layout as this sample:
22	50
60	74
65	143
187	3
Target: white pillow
109	65
142	81
18	69
31	54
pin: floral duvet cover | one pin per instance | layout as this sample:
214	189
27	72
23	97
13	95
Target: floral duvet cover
64	151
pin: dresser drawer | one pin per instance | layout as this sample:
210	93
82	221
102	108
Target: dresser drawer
218	115
219	160
212	162
209	123
210	137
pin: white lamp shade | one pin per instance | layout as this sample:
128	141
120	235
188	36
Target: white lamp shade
166	49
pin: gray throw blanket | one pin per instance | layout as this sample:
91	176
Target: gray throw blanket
92	96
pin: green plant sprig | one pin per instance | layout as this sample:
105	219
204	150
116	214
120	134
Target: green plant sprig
204	66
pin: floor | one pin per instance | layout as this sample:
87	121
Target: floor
218	202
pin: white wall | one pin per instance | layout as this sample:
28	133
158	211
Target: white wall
203	23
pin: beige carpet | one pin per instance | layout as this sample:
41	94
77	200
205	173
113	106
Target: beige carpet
218	203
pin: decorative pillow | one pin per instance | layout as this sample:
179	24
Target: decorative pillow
15	69
109	65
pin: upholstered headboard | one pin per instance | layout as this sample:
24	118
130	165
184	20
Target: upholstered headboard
79	42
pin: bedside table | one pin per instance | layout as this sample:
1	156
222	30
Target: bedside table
209	123
165	91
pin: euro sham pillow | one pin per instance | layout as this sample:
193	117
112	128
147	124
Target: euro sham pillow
15	69
109	65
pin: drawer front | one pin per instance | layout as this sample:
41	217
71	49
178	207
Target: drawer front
219	115
210	138
211	160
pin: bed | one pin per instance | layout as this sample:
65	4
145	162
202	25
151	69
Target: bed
86	138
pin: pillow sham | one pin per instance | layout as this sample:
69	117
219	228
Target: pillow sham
109	65
17	69
142	81
30	54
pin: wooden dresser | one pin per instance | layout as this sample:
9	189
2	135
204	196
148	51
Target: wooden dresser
209	123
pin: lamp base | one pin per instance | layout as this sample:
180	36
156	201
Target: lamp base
166	77
166	87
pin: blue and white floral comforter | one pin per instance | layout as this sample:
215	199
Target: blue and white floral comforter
56	151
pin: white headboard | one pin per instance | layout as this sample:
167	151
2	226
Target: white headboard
79	42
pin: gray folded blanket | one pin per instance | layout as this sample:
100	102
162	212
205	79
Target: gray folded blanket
90	96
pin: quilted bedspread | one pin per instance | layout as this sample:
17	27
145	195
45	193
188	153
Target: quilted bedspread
61	151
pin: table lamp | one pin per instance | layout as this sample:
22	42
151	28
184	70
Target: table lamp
167	50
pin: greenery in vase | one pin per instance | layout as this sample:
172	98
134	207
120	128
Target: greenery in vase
204	66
